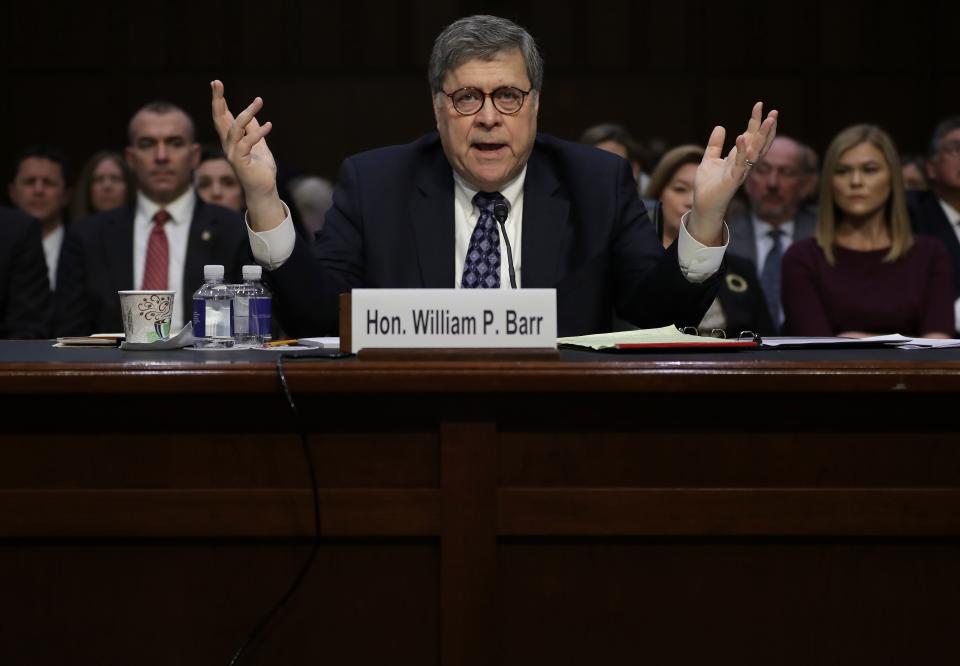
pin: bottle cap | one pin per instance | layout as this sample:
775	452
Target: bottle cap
252	272
213	272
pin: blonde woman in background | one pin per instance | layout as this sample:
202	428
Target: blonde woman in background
864	272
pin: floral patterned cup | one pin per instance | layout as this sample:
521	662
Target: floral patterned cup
146	315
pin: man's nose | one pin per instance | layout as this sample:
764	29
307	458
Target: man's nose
161	155
488	116
216	191
773	180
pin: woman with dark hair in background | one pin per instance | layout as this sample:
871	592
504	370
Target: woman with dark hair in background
216	182
616	139
105	183
864	272
740	305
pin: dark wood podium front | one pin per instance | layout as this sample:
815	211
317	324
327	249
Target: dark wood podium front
748	508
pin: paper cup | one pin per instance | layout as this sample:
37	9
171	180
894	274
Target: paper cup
147	315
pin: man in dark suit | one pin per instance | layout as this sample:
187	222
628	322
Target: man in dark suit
25	305
775	218
40	187
421	215
161	242
936	212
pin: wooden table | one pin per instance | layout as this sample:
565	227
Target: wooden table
780	508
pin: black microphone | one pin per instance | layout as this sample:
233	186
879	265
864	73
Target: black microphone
500	212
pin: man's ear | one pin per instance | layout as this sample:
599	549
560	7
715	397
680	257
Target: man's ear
931	172
128	155
435	103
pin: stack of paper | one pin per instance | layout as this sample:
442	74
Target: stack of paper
668	337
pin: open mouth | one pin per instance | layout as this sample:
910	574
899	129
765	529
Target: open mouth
488	147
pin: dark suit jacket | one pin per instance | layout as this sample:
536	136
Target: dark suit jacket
928	218
97	262
25	302
584	233
742	300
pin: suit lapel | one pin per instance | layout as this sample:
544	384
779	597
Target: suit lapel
546	228
806	224
199	253
941	224
118	248
432	216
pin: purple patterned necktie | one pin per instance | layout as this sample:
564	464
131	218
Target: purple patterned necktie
481	268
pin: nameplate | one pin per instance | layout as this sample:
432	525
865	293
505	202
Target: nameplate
453	318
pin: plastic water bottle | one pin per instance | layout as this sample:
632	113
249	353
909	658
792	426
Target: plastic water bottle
213	311
251	309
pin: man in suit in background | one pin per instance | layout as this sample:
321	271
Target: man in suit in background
422	215
161	242
25	305
936	212
40	187
775	219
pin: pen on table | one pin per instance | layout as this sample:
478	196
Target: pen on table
280	343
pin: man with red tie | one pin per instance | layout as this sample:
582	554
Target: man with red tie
161	242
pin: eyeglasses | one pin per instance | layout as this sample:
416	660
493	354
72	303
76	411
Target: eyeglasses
951	148
507	100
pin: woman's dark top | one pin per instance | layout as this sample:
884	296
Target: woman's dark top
912	296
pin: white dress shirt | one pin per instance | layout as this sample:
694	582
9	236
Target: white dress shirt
52	242
761	232
177	230
953	215
697	261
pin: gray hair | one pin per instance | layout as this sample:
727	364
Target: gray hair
482	38
942	130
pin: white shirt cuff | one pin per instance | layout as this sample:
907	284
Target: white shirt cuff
698	261
272	248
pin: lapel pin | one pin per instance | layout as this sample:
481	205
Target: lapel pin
205	235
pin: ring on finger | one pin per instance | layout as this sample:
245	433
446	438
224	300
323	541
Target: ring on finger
750	164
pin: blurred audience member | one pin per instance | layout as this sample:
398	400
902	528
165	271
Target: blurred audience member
313	197
616	139
105	183
914	173
775	219
160	242
937	212
40	187
216	182
865	273
739	305
25	304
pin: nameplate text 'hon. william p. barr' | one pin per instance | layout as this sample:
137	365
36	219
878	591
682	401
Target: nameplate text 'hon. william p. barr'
454	318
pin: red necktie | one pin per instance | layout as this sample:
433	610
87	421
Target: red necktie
158	254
